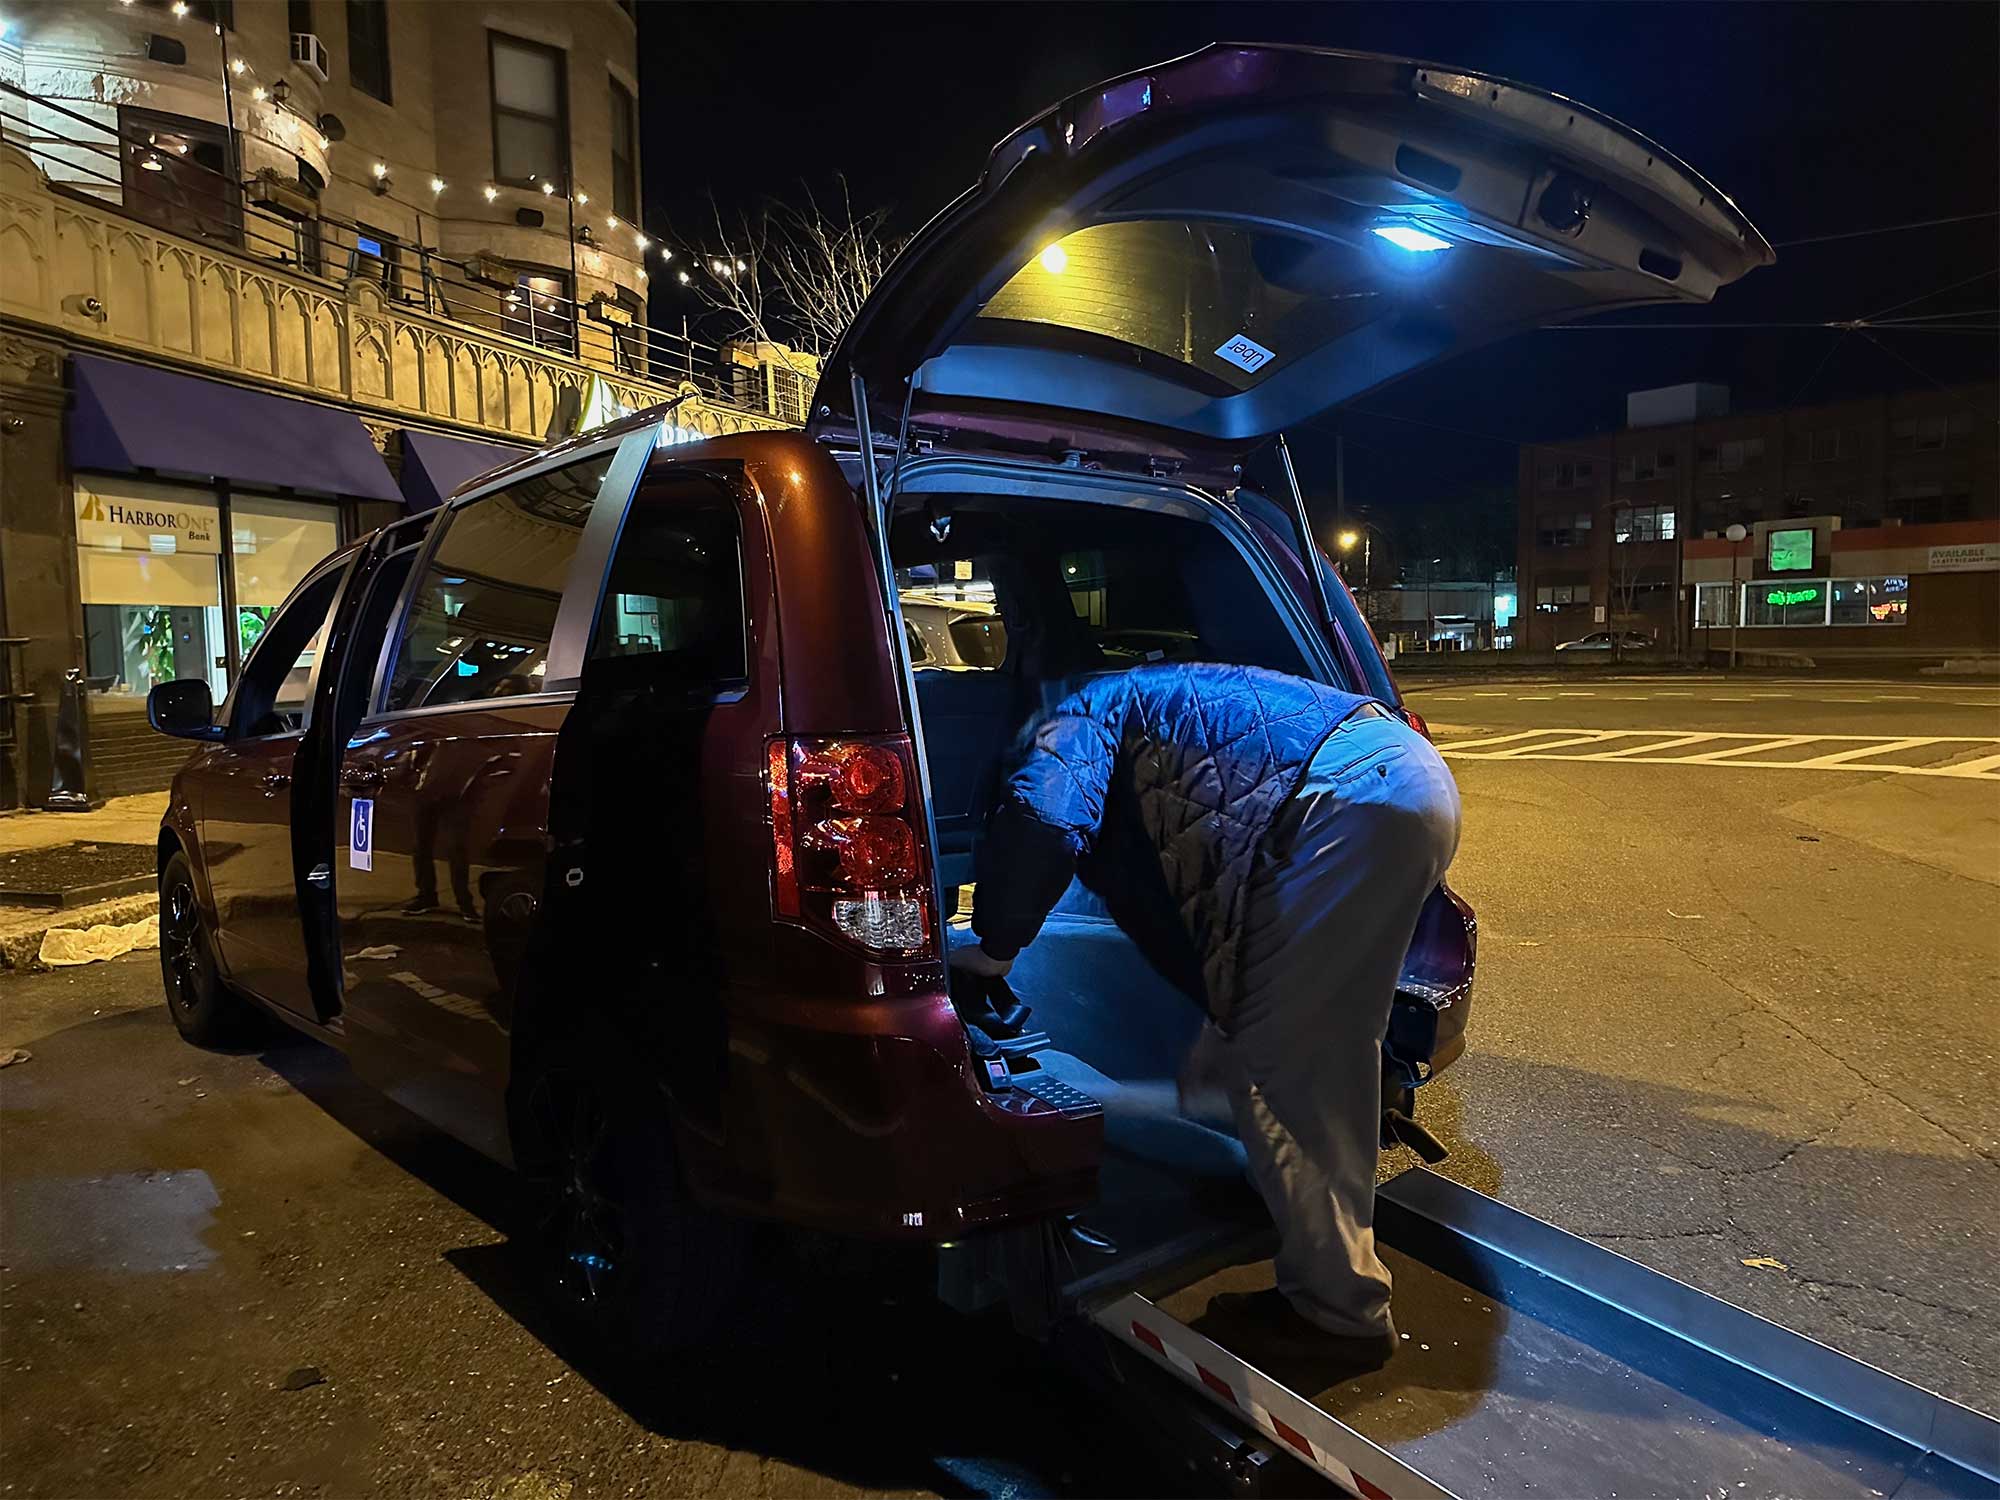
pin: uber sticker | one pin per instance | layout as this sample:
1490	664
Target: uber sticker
361	834
1245	353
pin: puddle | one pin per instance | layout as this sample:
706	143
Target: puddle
125	1221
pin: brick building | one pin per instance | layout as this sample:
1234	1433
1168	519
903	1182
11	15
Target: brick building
276	271
1873	525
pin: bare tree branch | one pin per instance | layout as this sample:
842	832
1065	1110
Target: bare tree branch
793	274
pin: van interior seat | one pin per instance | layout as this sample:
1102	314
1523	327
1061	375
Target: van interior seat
969	722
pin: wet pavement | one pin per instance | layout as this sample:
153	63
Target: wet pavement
187	1236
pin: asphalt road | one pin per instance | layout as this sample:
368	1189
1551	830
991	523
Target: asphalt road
184	1231
1742	1021
1735	1020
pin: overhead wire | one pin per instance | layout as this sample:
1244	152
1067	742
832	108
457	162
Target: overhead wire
1856	234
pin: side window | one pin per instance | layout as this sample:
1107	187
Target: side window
275	692
676	586
378	610
484	612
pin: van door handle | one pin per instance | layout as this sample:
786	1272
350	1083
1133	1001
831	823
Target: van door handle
360	778
276	781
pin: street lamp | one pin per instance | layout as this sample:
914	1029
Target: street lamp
1735	533
1348	537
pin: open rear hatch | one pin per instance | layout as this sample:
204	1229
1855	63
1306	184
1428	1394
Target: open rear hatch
1178	264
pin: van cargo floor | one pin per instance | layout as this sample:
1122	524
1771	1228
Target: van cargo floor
1535	1363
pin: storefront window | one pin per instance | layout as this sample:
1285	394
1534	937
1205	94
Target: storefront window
273	545
1787	601
152	603
1712	603
1871	601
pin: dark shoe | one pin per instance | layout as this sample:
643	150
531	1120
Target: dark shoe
1272	1326
421	906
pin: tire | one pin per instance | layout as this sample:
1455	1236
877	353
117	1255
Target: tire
206	1011
627	1260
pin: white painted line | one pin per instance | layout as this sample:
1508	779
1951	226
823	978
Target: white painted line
1978	768
1501	739
1866	767
1542	699
1860	752
1897	698
1478	694
1777	742
1577	693
1670	743
1593	736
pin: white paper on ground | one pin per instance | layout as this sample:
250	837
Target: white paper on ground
84	945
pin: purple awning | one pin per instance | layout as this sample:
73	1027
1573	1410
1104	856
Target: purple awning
129	417
435	465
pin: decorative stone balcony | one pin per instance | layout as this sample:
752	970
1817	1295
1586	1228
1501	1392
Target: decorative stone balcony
102	279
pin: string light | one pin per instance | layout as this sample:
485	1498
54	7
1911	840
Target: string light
325	144
548	189
741	267
437	184
381	169
492	192
180	9
582	198
612	221
684	278
643	242
258	94
238	66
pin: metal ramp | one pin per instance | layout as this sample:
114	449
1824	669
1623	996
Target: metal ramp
1538	1363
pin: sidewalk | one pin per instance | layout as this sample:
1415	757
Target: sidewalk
133	820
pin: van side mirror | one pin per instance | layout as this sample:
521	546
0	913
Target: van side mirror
183	708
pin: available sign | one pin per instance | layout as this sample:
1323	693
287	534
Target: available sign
1972	557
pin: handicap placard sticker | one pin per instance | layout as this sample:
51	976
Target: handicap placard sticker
1245	353
361	834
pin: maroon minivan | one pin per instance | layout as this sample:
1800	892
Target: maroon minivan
617	816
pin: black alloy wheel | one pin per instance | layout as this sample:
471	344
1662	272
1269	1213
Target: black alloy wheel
205	1011
620	1249
582	1230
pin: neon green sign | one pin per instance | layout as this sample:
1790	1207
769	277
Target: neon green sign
1780	597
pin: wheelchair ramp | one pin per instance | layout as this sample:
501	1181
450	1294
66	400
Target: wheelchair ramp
1538	1364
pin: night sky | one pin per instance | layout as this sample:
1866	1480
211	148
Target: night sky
1816	118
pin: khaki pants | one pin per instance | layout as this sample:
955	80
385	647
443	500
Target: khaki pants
1332	905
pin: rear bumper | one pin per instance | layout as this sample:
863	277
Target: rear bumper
878	1126
1434	996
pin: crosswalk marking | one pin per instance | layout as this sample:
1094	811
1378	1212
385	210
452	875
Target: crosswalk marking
1770	742
1501	739
1586	737
1840	757
1669	743
1987	766
1729	749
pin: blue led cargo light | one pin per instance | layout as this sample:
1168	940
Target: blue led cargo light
1407	237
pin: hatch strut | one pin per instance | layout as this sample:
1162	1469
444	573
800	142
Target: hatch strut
875	503
1308	552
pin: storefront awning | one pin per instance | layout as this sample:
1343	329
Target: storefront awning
130	417
435	465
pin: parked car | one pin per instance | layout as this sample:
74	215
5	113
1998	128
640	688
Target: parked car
621	835
1609	640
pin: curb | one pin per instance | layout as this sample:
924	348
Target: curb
21	942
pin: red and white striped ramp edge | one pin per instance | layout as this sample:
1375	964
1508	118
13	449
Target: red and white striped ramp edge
1302	1429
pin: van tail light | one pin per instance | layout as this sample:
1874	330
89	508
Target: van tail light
1415	720
848	856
